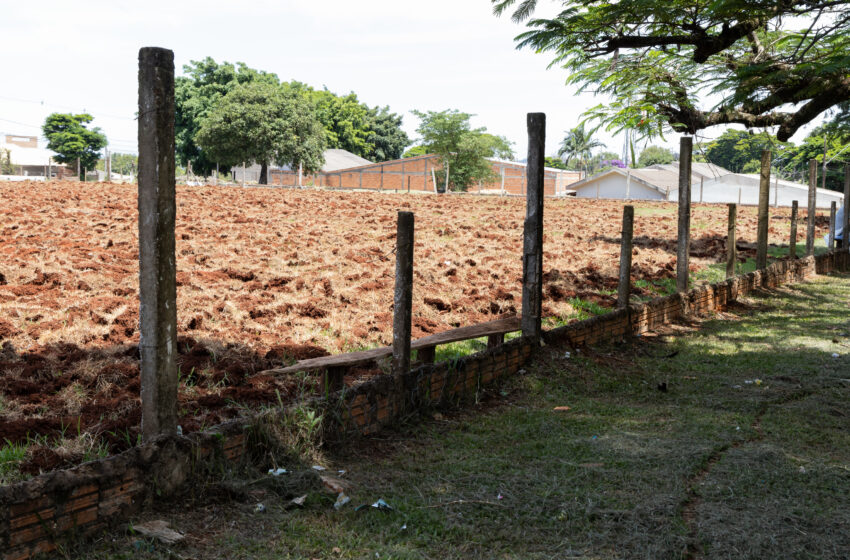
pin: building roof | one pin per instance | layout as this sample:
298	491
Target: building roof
337	159
663	180
700	169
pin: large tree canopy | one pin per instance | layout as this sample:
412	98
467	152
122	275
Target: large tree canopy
264	123
692	64
68	136
738	150
654	155
196	94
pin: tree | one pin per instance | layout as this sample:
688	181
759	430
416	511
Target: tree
692	64
68	136
196	95
124	164
736	149
386	138
415	151
554	163
345	120
794	161
6	162
577	147
370	132
462	149
654	155
264	123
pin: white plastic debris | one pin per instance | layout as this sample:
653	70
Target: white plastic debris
381	504
802	469
737	428
299	501
179	430
318	468
259	508
404	527
277	472
341	500
835	355
567	355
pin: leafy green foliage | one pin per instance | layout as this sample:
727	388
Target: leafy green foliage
415	151
196	94
373	133
555	163
6	162
68	136
577	147
735	150
692	64
265	123
462	149
386	138
795	160
655	155
121	163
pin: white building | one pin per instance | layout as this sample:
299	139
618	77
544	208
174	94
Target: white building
709	183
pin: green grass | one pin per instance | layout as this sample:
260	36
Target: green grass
735	469
11	456
655	210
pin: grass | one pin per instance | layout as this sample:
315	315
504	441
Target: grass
745	455
11	456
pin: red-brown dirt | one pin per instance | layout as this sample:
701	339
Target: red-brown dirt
268	276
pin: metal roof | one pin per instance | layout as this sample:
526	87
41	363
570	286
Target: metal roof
337	159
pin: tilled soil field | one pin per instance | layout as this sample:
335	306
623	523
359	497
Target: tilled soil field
268	276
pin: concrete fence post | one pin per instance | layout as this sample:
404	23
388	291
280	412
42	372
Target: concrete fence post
792	242
157	265
764	203
731	241
625	286
832	208
403	297
683	245
532	252
845	223
813	184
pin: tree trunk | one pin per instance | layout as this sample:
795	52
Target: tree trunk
264	173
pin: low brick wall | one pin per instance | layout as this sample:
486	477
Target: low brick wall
37	513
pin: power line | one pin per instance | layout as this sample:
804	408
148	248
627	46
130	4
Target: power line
66	107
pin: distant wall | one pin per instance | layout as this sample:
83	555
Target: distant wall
415	174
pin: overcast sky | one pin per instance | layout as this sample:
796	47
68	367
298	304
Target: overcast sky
62	56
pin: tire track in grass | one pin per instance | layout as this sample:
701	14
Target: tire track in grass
693	499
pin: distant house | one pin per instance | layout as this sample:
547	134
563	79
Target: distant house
28	160
709	183
335	159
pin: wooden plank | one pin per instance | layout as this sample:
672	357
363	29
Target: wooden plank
499	326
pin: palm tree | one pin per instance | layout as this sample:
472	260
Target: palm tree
578	146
